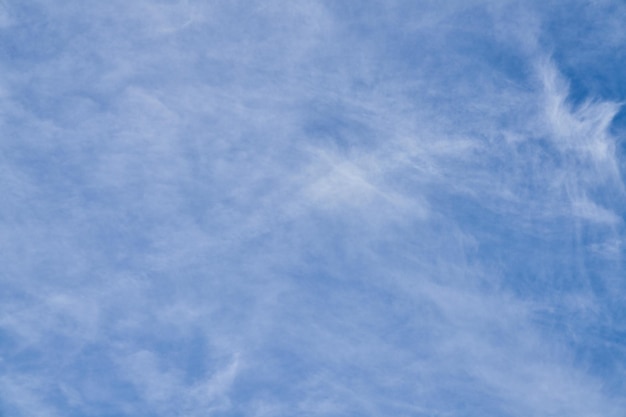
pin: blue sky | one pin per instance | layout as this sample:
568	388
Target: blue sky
312	208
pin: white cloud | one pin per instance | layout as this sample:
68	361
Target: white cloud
329	208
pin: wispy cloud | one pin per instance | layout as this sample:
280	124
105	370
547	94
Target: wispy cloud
317	209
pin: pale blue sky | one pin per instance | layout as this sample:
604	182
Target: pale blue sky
312	208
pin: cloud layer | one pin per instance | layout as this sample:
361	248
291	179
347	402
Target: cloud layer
312	208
